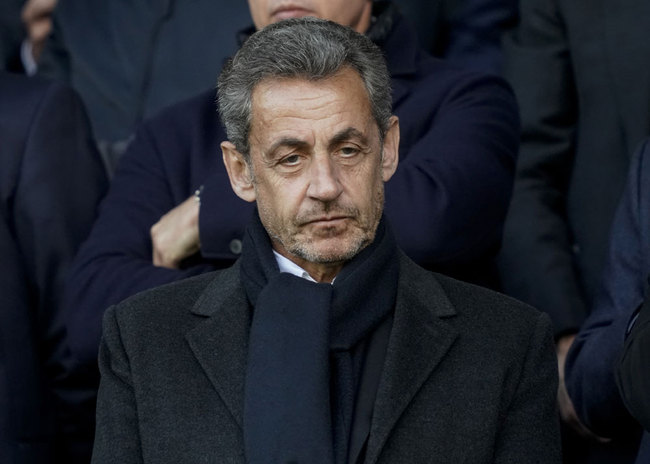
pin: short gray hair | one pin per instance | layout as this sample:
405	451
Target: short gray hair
307	48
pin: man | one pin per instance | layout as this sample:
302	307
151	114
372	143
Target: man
447	200
324	343
51	179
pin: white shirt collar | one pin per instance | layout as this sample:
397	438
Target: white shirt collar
286	265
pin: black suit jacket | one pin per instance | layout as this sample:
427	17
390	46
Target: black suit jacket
581	72
469	376
466	33
50	180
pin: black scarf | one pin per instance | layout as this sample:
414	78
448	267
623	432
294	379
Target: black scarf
306	349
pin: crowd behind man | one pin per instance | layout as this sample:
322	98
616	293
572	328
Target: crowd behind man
580	80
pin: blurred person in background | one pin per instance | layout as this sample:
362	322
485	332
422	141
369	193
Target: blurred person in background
51	179
581	74
130	59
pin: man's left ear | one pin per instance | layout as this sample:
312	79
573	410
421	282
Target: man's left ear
391	149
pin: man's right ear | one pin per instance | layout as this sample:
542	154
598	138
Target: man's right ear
241	178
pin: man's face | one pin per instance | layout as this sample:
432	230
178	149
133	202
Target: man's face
317	166
353	13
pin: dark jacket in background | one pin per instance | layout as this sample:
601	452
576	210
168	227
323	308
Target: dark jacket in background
51	178
12	33
466	33
447	200
581	73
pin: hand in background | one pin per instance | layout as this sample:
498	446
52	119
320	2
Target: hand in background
37	18
176	235
567	411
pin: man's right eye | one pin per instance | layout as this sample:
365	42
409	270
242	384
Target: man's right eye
290	160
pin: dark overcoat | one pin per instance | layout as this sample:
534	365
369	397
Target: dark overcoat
469	376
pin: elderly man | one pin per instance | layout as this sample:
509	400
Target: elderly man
447	201
324	343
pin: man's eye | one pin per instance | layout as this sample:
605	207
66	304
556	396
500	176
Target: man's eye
290	160
348	151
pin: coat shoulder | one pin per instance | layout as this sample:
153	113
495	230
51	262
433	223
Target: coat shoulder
170	305
473	309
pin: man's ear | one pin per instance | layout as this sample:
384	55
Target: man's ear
241	179
391	149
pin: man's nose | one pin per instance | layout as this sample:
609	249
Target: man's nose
324	182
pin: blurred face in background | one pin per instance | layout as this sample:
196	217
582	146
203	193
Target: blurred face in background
353	13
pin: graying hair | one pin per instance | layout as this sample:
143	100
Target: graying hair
307	48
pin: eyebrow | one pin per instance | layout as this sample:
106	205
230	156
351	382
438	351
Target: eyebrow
340	137
286	142
348	134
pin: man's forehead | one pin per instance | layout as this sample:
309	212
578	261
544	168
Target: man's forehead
345	79
281	107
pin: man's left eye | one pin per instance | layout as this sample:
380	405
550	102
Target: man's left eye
348	151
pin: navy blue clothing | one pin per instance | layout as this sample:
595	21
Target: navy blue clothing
129	59
466	33
51	179
591	362
447	200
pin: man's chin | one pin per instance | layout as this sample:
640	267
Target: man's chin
330	250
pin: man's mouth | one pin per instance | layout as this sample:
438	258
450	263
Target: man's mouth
290	11
326	220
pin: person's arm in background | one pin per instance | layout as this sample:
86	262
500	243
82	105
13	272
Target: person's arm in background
537	261
449	195
117	259
591	363
632	374
59	184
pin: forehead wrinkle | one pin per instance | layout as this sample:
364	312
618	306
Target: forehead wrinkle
279	108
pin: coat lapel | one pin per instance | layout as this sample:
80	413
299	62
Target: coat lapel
418	342
220	342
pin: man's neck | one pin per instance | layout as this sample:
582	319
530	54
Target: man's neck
319	272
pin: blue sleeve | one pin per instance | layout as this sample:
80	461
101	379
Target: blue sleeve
592	359
448	198
116	260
